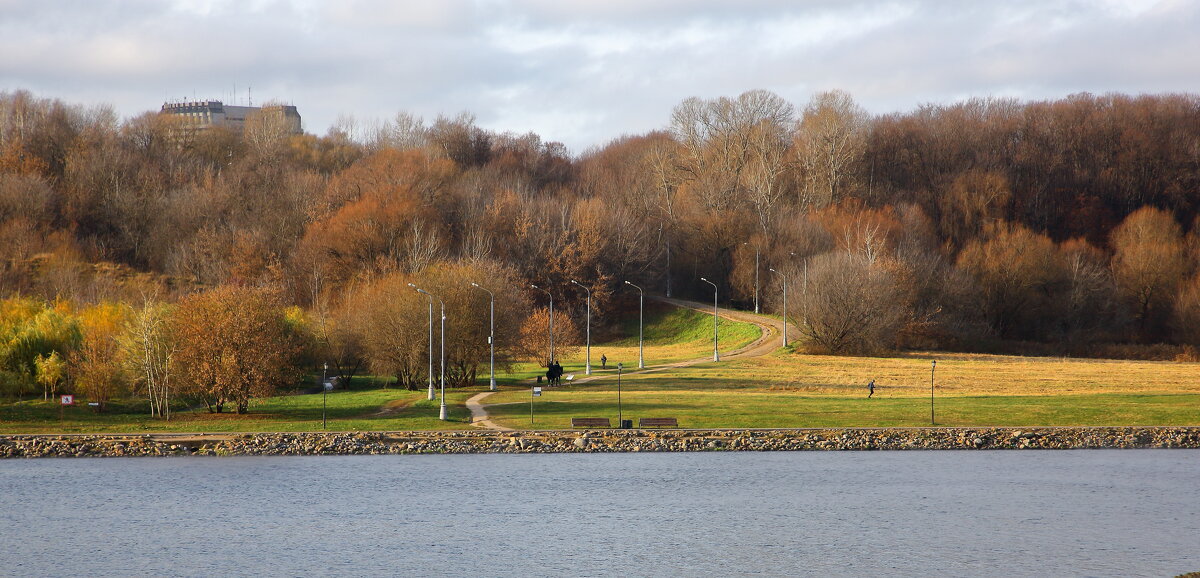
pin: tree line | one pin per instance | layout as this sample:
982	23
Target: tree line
1064	226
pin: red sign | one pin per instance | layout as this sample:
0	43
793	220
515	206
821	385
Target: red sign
68	400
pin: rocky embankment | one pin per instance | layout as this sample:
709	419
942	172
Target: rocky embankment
468	442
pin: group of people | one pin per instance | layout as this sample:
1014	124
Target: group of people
554	374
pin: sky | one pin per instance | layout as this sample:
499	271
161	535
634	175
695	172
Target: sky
588	71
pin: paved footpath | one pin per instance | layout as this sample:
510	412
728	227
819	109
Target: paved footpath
770	340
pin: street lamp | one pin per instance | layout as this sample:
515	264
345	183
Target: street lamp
783	279
426	293
324	391
491	332
551	361
587	367
641	343
755	276
442	369
931	370
716	356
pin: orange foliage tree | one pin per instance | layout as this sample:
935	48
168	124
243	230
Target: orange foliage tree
234	345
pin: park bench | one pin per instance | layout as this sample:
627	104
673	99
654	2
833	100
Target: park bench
590	422
658	422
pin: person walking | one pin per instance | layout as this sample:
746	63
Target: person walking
870	389
603	361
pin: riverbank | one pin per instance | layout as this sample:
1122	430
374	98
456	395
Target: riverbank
559	441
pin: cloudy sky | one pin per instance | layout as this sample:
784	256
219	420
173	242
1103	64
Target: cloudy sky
585	72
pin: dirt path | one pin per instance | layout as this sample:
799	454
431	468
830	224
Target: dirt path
770	340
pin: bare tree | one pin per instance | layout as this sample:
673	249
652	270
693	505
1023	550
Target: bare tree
851	305
830	139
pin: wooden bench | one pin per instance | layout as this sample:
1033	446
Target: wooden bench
590	422
658	422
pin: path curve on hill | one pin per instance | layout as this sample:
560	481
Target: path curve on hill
770	340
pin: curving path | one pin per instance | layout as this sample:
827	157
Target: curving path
770	340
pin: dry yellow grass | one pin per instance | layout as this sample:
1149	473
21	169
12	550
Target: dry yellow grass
957	374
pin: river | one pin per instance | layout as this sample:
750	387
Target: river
942	513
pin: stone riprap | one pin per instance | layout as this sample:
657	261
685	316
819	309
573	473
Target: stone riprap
468	442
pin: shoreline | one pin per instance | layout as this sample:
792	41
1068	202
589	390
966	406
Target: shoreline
16	446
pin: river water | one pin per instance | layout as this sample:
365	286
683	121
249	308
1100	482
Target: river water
977	513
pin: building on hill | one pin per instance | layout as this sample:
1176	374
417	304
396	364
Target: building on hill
204	114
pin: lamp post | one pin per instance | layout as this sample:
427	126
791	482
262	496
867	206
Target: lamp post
587	366
442	369
324	391
716	355
551	360
491	333
426	293
785	309
931	370
755	276
641	343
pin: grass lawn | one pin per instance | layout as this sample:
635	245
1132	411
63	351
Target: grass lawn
792	390
367	409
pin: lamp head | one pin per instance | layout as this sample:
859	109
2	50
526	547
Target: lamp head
412	285
474	284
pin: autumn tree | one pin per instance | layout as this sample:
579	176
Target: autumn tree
234	345
1020	275
1148	264
148	348
96	367
830	140
851	305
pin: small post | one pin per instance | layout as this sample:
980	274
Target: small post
931	370
324	391
620	416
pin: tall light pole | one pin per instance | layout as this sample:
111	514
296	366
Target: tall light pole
442	369
551	360
587	367
491	333
716	355
426	293
931	370
755	276
641	343
785	309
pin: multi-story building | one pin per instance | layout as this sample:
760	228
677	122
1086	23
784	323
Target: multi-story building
204	114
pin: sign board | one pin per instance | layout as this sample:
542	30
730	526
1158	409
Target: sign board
537	392
68	400
93	404
571	377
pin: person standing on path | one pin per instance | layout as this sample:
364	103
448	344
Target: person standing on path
870	389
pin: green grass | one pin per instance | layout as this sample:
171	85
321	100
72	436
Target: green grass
356	410
784	389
